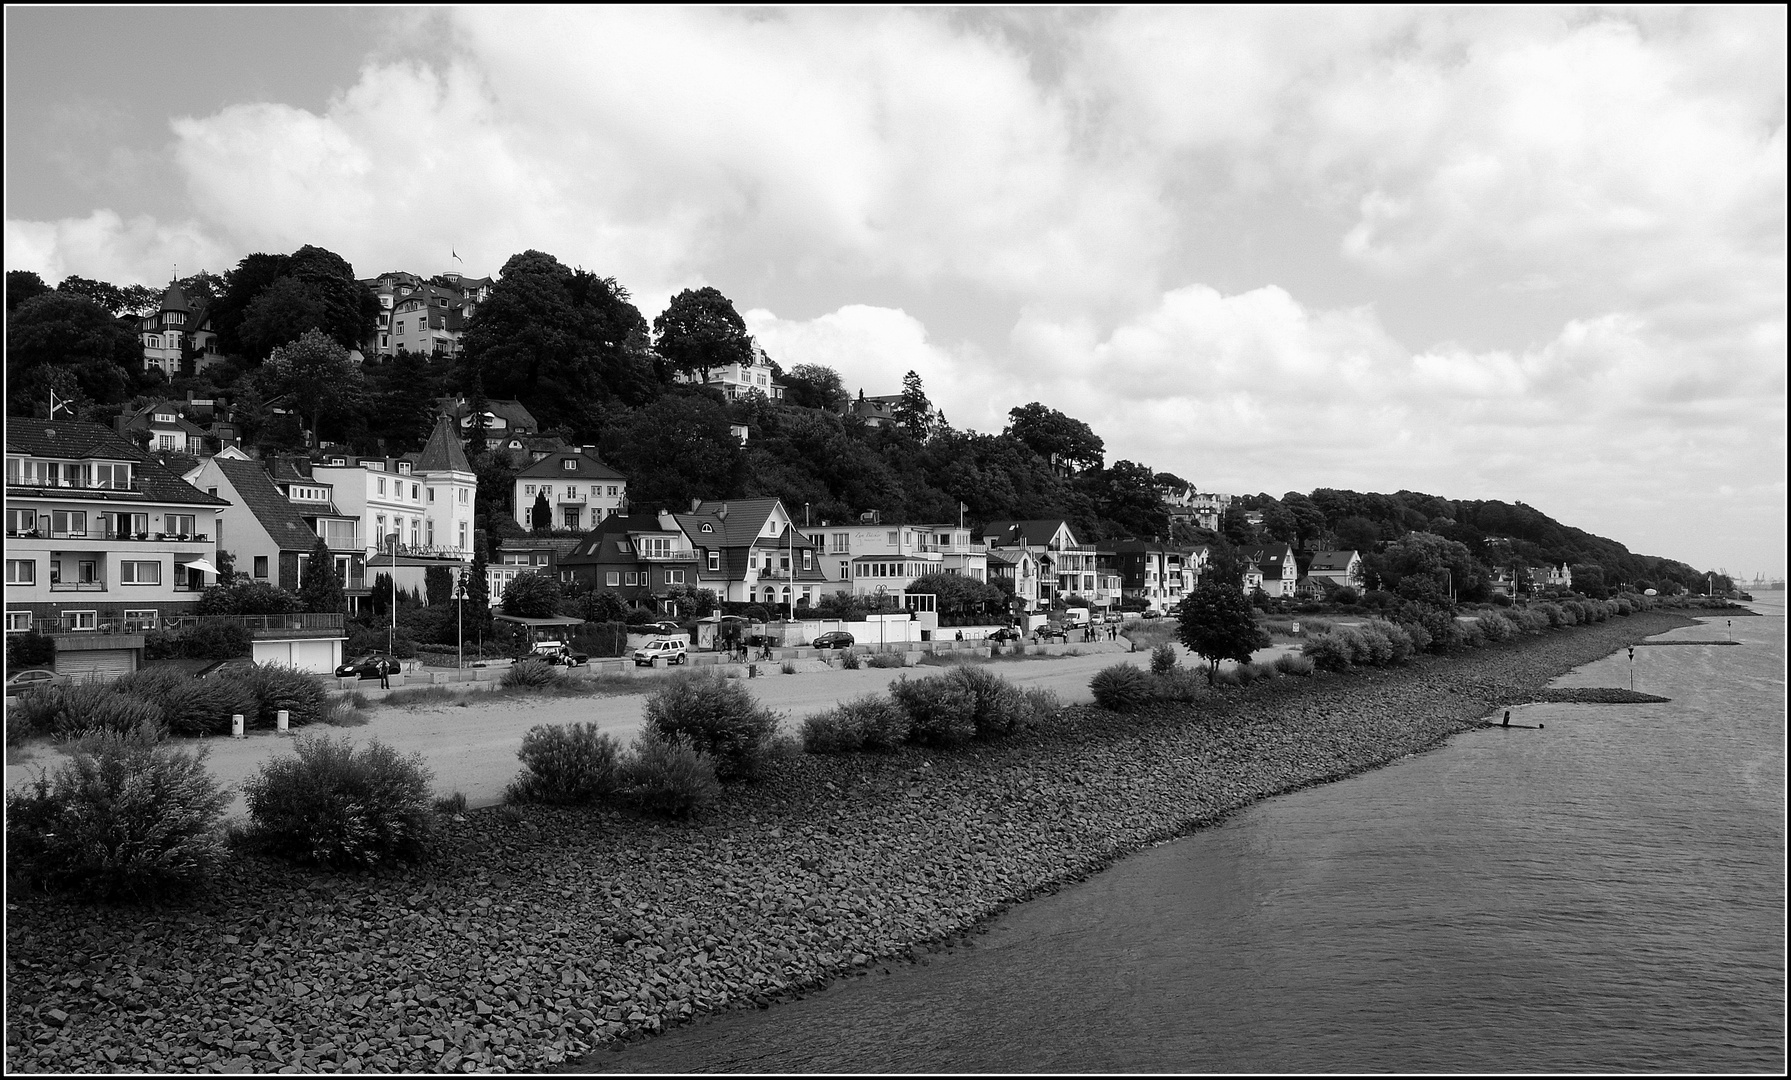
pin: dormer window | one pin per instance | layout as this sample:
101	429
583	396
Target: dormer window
404	467
164	418
569	464
708	528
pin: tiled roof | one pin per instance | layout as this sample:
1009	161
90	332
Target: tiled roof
1036	532
589	547
256	490
509	411
1331	560
744	522
586	468
442	452
1268	555
82	439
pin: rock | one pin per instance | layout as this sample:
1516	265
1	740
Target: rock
55	1017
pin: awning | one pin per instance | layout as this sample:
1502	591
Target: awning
201	564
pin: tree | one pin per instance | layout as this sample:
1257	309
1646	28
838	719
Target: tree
438	585
22	285
67	332
318	374
914	411
1215	621
1064	442
677	448
541	514
958	595
815	386
692	602
284	311
322	588
534	595
478	590
700	331
244	597
1128	495
1440	565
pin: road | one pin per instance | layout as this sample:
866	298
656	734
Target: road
471	747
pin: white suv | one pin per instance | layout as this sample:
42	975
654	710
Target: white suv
671	650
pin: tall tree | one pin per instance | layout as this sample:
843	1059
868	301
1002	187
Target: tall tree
815	386
66	331
1215	621
318	374
1064	441
22	285
322	588
282	312
1128	496
914	411
700	331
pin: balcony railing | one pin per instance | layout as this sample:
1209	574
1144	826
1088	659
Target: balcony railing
314	620
77	586
134	486
668	556
103	534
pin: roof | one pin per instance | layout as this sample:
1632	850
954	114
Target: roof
591	546
145	417
1268	554
83	439
744	522
1035	532
442	453
256	490
1331	560
585	467
511	412
174	299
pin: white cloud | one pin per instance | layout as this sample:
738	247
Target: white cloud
106	247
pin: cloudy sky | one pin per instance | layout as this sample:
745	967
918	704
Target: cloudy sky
1520	254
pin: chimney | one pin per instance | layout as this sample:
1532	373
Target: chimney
589	451
722	514
695	505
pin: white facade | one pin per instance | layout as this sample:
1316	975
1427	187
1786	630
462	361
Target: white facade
864	556
431	512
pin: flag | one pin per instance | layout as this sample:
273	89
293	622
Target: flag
457	258
63	405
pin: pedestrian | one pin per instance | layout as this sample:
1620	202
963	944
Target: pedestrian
960	635
385	682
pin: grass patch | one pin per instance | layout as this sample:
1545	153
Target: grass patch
414	695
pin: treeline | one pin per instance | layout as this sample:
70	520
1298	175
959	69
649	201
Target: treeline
573	348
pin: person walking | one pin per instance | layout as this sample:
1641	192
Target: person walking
385	671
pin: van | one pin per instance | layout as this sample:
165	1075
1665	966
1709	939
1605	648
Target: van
1075	618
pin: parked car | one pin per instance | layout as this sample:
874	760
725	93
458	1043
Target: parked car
364	667
1153	614
1005	633
664	626
32	679
1050	632
236	665
833	639
671	650
558	652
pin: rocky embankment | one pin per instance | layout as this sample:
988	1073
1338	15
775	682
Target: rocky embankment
539	935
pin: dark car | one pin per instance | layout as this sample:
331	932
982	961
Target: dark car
664	626
1005	633
235	666
1053	633
833	639
365	668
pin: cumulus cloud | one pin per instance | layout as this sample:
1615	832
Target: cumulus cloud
106	247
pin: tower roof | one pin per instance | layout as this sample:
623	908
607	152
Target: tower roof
175	299
442	453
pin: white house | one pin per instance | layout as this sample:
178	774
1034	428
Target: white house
578	488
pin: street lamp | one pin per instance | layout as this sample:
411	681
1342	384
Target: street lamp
459	619
392	630
882	625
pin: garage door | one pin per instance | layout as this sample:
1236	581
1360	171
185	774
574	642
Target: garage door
95	664
317	657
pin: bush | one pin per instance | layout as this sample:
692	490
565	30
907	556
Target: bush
1291	664
29	650
849	660
718	717
1399	643
1162	659
1373	648
999	707
1264	671
528	675
1241	675
1122	688
1227	677
1496	627
1552	612
1330	651
276	688
127	817
69	710
887	660
565	764
191	707
1624	608
669	777
788	667
1419	635
879	723
1179	684
830	733
940	711
333	805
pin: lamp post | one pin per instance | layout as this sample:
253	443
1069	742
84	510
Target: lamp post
392	629
459	619
882	632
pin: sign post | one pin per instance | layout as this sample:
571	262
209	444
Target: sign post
1632	669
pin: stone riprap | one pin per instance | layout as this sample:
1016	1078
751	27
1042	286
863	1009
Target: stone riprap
540	934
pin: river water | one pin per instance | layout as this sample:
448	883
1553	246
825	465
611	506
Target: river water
1604	892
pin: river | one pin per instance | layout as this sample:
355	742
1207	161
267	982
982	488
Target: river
1602	890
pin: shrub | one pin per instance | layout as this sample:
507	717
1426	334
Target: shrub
669	777
887	660
1290	664
333	805
29	649
788	667
830	733
881	724
565	764
1227	677
191	707
1419	635
1329	651
849	660
452	804
277	688
528	675
72	709
342	712
1122	688
1552	612
1399	643
1162	659
1179	684
719	717
1496	627
999	707
1241	675
1373	648
1624	608
940	711
1042	703
127	817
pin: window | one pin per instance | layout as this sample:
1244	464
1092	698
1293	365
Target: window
842	542
569	464
464	496
808	559
431	494
18	620
179	524
416	532
674	577
87	571
612	491
633	578
141	618
414	497
20	521
404	468
429	532
382	485
379	526
714	561
612	578
708	528
140	573
894	538
596	491
572	491
399	328
463	536
261	566
571	516
528	489
21	571
81	620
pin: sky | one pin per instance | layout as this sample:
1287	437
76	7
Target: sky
1530	254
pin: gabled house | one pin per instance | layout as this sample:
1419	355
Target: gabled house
1157	573
876	411
505	419
1340	568
749	550
578	488
425	499
1277	571
274	520
639	557
1065	565
518	555
163	427
178	338
737	381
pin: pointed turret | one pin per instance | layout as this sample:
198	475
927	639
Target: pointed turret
175	299
442	453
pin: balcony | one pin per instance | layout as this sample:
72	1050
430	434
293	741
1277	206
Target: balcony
667	556
77	586
103	534
134	487
317	623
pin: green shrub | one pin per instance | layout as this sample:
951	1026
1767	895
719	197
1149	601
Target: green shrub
1042	703
849	660
191	707
276	688
669	777
333	805
1496	627
1552	612
1122	688
528	675
341	712
73	709
788	667
565	764
1473	635
871	722
1399	642
127	817
719	717
29	649
1329	651
1179	684
1241	675
1228	677
830	733
1624	608
1372	646
940	711
1264	671
887	660
1162	659
1419	635
1291	664
1000	708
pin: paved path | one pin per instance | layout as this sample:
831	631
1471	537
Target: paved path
472	747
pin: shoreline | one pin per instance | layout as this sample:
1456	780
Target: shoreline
595	926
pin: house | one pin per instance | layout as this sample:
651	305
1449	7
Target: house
178	338
424	316
419	504
749	550
1556	576
1341	568
578	489
1019	571
271	525
1156	573
930	548
505	420
162	426
1277	571
876	411
1065	565
102	543
740	380
639	557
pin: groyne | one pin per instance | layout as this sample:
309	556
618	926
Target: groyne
540	935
